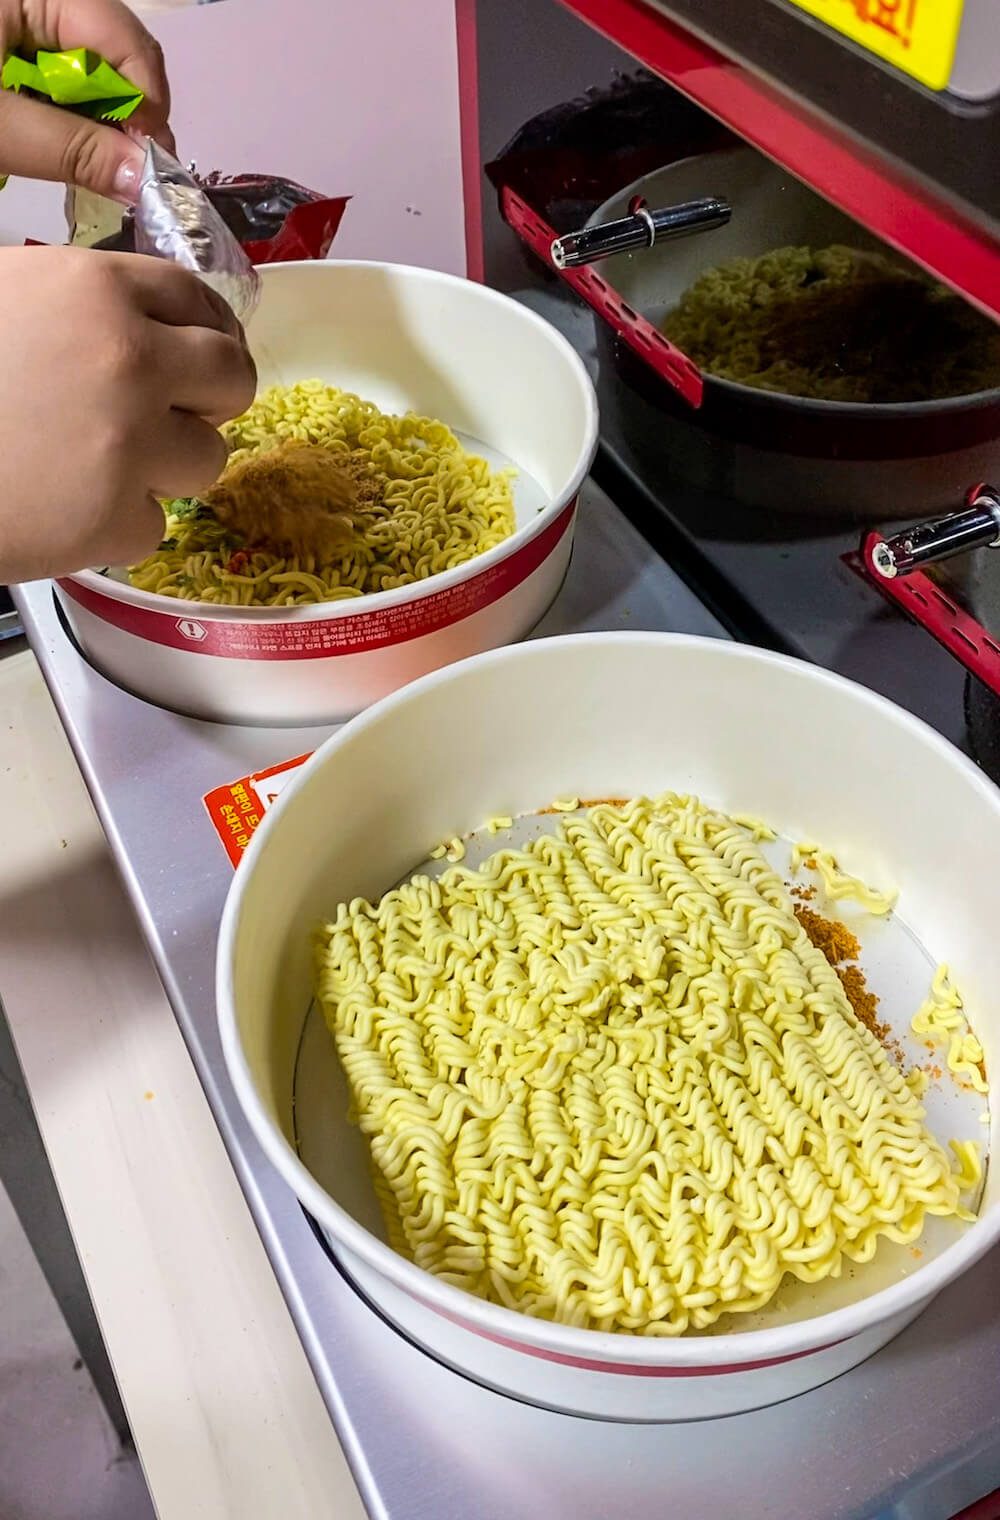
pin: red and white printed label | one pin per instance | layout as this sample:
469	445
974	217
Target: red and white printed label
318	638
237	809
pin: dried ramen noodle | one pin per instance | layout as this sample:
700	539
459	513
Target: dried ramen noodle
834	324
437	507
608	1080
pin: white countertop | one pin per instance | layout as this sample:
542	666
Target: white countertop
224	1408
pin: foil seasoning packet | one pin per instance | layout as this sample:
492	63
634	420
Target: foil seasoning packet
174	219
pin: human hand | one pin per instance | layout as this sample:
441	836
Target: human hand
41	141
117	372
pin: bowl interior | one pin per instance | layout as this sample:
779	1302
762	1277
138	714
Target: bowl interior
615	716
412	339
897	967
408	339
770	210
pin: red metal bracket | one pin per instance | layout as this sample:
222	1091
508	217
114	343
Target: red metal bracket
924	602
680	372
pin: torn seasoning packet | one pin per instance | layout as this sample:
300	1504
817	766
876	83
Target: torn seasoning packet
275	219
174	219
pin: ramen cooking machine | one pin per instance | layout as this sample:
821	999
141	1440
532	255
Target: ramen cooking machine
886	111
890	108
890	112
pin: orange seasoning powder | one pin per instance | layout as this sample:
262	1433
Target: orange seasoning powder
838	944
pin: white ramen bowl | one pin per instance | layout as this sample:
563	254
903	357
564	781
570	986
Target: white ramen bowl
609	715
408	339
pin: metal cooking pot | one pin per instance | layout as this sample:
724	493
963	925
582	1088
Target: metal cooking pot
763	448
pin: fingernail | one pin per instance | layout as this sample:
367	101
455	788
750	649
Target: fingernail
125	186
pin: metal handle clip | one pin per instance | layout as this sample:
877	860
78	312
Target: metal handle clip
976	527
640	229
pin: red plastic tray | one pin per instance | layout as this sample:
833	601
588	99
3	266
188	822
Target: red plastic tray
918	596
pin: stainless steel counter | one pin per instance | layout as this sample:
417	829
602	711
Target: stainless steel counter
913	1434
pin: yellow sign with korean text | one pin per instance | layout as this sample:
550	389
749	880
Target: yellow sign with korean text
917	36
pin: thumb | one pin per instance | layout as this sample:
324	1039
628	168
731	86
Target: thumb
41	141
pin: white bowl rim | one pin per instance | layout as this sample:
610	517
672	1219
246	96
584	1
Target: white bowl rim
702	1351
399	596
869	410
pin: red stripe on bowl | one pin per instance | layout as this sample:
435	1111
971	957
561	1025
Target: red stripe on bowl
628	1369
321	638
987	1508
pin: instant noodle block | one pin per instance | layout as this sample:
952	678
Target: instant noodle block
527	1140
511	390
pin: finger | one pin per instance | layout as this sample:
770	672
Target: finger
175	296
189	456
40	141
207	373
131	535
108	27
144	124
163	135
